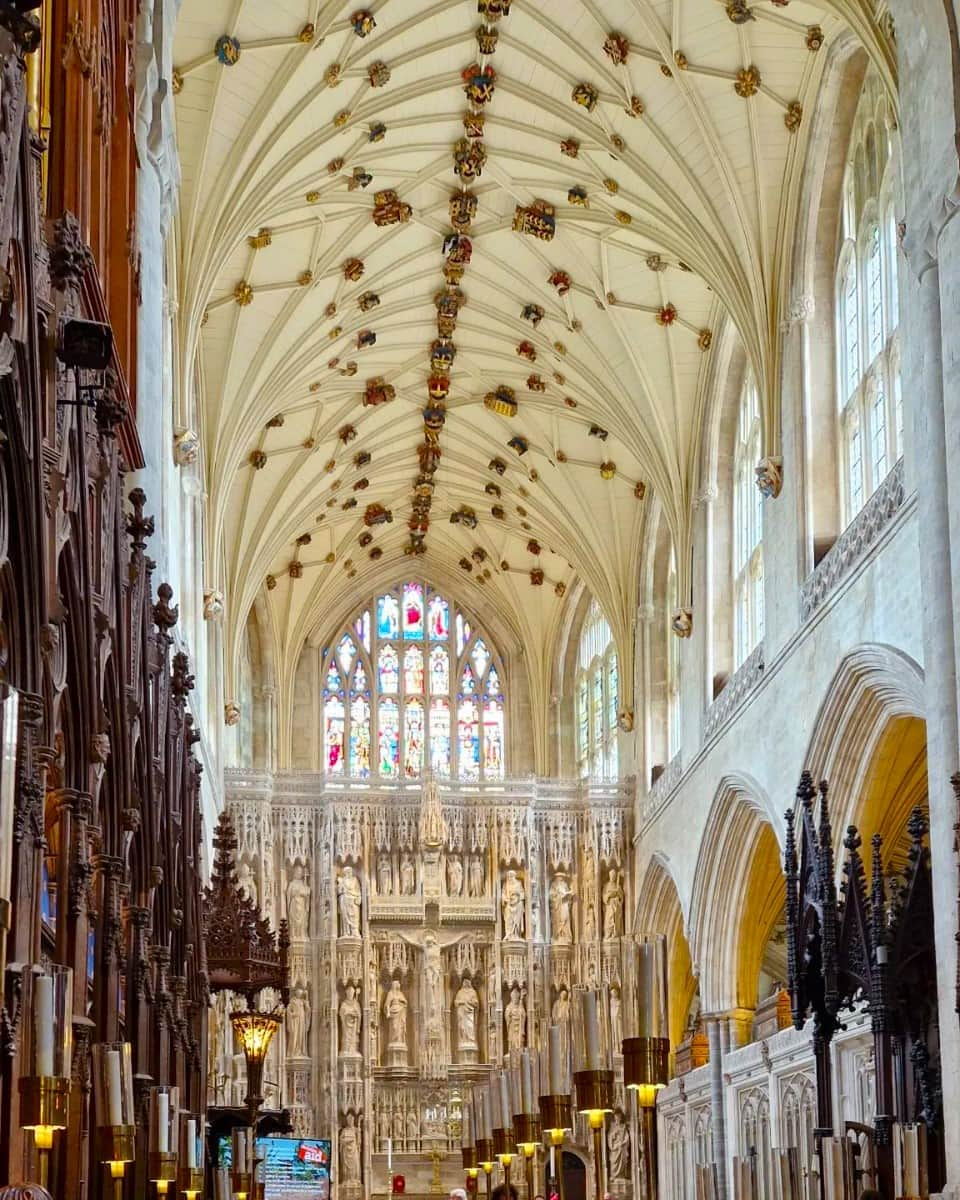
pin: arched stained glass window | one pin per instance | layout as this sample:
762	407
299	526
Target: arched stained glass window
411	683
597	698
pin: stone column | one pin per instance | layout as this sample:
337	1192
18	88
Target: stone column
715	1029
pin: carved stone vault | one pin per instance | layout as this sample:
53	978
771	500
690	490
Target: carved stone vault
431	931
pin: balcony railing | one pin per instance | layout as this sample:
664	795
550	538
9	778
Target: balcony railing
738	687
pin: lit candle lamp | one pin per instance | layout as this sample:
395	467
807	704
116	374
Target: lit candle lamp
164	1136
47	996
113	1104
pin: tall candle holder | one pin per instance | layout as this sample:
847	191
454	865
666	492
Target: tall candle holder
47	1000
646	1048
525	1092
164	1136
482	1108
503	1125
556	1111
592	1066
9	734
113	1105
243	1160
190	1180
468	1151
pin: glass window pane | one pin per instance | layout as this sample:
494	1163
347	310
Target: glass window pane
439	670
463	633
613	687
874	294
413	670
413	611
333	677
333	727
389	738
360	736
468	739
583	722
851	323
468	683
362	628
493	739
480	656
345	652
878	430
389	670
359	678
440	736
388	617
413	739
493	682
438	619
855	463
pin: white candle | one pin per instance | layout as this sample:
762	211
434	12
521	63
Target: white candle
192	1144
556	1060
505	1105
43	1006
591	1028
163	1122
526	1083
553	1163
389	1154
114	1088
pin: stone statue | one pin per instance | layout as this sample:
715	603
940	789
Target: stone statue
350	1151
383	1127
466	1005
298	1023
433	980
560	1013
454	876
618	1147
512	903
475	883
561	898
395	1010
432	825
397	1128
515	1016
413	1130
298	904
616	1019
384	874
248	885
351	1017
350	895
408	876
613	906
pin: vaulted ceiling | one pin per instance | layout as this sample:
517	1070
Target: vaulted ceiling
635	197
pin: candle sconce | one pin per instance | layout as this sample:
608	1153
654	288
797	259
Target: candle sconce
190	1179
646	1048
47	1001
164	1136
113	1105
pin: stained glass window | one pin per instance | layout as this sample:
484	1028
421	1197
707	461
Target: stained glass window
597	698
389	702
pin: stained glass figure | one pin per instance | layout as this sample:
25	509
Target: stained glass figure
493	682
345	652
362	628
359	678
463	633
334	722
388	617
438	619
389	737
388	669
360	737
493	739
440	736
333	677
413	739
468	684
480	656
468	739
413	670
439	671
413	611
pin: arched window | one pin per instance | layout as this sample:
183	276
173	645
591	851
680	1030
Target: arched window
868	363
598	698
409	683
748	527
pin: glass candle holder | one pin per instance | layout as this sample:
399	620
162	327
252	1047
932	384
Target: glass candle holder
113	1104
646	1043
47	1001
191	1154
164	1136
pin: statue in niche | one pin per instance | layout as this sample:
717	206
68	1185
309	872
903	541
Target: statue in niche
515	1016
413	1130
349	896
432	825
350	1151
561	902
618	1147
560	1013
397	1128
351	1017
298	1023
475	882
395	1010
408	876
384	874
616	1018
383	1127
454	875
613	906
512	903
247	883
466	1005
298	904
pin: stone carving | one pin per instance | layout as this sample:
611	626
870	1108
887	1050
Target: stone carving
186	447
247	883
212	604
512	901
466	1005
475	880
350	1151
561	901
454	875
738	687
613	906
682	622
298	1024
618	1147
298	904
395	1011
413	1130
349	898
769	473
351	1016
231	713
515	1016
384	874
560	1013
432	829
616	1018
408	876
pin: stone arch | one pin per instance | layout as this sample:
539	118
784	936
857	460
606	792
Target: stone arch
658	911
876	695
738	895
